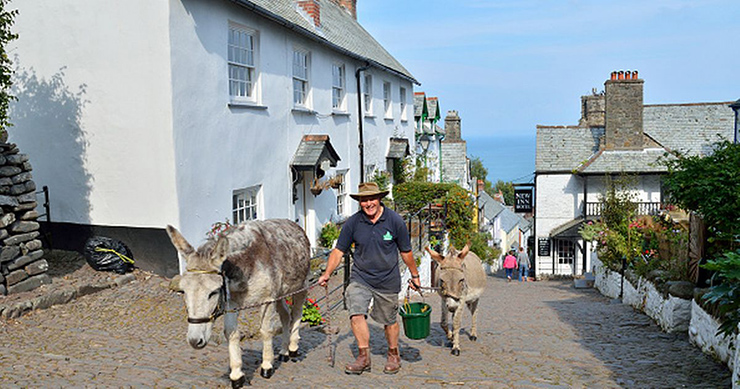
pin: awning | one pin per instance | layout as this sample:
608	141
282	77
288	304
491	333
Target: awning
315	152
567	230
398	148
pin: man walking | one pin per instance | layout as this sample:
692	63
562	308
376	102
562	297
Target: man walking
379	234
522	260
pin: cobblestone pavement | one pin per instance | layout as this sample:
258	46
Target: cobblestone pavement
530	335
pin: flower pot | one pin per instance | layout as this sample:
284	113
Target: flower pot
316	191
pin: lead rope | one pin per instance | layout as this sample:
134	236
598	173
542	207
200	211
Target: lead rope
332	346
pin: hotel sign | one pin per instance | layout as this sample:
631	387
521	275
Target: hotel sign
523	200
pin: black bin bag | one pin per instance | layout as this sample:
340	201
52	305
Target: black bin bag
106	254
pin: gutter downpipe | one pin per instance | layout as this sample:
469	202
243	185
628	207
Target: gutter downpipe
585	218
361	119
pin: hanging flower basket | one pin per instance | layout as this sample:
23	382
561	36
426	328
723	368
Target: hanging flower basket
315	191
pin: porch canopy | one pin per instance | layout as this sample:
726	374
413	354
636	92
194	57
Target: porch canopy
315	153
398	148
567	230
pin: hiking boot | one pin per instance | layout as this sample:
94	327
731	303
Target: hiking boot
393	365
361	364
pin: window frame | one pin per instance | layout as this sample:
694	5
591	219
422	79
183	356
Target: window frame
563	247
402	96
338	102
303	80
232	64
342	204
252	199
387	100
367	94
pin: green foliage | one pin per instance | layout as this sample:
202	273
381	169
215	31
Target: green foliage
382	178
725	293
421	173
6	69
507	189
311	314
402	171
459	216
414	195
710	186
329	234
479	245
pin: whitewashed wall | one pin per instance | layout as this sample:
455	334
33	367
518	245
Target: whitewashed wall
559	198
94	109
248	146
148	136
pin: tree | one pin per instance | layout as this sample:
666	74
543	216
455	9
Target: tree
710	186
6	70
477	170
507	188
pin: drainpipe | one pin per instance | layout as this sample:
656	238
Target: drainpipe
585	217
361	119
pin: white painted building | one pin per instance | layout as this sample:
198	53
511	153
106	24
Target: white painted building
617	134
143	113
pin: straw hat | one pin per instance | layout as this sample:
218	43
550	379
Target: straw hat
368	189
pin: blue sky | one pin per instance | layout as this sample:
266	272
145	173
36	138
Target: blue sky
507	66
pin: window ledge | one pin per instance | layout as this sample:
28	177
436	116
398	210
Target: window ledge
246	104
340	113
388	118
304	110
368	116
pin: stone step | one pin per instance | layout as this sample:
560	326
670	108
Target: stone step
580	283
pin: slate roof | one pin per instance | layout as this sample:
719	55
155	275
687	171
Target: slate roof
433	104
312	150
398	148
691	128
509	220
338	30
491	208
420	105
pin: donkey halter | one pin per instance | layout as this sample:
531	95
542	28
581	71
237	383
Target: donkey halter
444	290
223	295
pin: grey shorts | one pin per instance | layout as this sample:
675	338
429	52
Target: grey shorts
385	305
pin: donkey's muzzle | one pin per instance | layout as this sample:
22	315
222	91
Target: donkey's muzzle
197	343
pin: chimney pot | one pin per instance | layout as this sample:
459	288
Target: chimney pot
614	75
634	75
621	75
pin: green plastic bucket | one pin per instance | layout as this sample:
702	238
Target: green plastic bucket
416	318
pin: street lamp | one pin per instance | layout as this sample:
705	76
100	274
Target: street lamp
424	142
735	107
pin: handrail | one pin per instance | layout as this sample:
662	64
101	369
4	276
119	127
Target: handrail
643	208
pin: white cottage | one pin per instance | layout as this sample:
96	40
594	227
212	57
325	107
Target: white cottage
617	134
143	113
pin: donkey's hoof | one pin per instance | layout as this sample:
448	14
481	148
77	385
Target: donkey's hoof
266	373
293	354
474	338
283	358
239	383
455	352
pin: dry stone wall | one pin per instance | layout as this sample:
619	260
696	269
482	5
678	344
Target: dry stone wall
22	266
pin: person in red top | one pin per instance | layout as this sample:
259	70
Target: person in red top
510	264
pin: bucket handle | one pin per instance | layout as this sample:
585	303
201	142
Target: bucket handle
407	306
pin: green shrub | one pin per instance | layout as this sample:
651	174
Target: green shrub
726	290
329	234
479	245
414	195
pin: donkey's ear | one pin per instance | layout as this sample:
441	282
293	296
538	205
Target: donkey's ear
220	252
464	251
179	241
435	255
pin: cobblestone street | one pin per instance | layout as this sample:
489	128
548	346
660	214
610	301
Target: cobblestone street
530	335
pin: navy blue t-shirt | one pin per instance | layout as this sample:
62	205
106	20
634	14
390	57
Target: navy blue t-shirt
376	249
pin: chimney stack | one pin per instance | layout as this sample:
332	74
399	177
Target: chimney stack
312	9
349	5
452	127
481	186
623	112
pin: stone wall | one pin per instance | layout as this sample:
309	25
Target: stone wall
703	334
22	267
623	116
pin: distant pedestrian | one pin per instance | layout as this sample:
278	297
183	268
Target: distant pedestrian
510	264
522	260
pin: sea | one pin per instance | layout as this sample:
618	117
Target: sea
509	158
